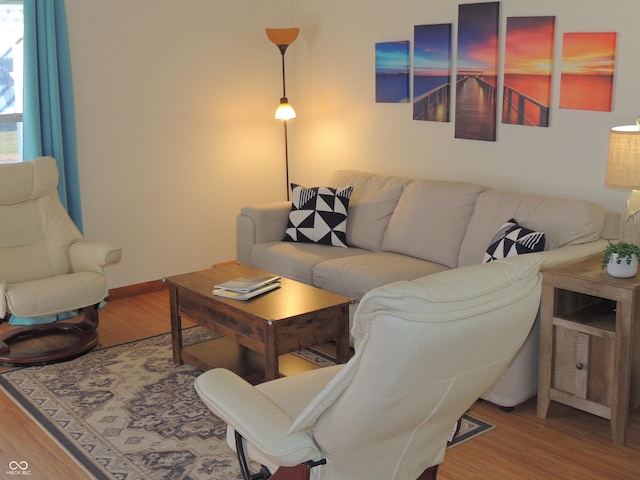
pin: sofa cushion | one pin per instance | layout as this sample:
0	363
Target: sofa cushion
431	219
513	239
372	202
296	260
369	217
318	215
356	275
563	221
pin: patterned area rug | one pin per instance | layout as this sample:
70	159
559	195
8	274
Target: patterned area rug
127	412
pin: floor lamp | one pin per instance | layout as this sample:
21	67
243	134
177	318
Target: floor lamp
623	171
283	37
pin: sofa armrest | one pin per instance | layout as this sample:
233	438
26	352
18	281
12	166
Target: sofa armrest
572	252
611	227
260	223
93	255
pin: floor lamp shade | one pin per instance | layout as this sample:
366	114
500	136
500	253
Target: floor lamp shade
282	36
284	110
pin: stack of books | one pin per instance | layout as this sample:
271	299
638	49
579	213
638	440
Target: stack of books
244	288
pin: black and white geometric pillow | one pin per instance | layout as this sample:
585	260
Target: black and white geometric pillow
512	239
318	215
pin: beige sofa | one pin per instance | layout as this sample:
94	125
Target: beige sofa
402	229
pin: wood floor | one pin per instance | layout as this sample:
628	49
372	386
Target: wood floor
569	444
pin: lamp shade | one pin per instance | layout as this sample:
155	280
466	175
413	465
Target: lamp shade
623	165
285	111
282	36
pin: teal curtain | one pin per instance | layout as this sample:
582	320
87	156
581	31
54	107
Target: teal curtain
49	112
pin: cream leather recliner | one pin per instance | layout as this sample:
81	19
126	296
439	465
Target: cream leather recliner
47	268
425	350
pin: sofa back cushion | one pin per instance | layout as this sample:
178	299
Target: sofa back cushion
431	219
563	221
372	202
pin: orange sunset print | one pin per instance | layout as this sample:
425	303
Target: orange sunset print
587	71
527	71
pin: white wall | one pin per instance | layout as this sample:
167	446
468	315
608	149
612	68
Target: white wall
175	103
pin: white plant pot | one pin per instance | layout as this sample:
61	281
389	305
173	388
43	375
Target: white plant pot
622	269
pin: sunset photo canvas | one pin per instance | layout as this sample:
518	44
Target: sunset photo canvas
587	71
392	72
477	71
527	71
432	72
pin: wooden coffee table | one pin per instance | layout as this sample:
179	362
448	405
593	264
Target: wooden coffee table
288	319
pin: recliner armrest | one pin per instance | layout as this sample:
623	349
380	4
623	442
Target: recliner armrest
255	416
93	255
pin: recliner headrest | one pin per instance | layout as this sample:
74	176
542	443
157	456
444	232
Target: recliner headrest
22	181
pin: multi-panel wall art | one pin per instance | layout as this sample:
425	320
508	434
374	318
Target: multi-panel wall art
525	86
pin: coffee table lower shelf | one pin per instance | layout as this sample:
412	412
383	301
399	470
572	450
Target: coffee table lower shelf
225	353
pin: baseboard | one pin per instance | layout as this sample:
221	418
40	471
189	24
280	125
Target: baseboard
137	289
148	287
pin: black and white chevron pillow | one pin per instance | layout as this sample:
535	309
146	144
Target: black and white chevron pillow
513	239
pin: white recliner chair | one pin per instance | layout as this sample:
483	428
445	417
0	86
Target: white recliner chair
47	268
425	351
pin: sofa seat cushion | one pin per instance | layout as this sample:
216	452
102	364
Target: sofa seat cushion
431	219
296	260
354	276
563	221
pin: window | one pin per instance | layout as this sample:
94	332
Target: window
11	61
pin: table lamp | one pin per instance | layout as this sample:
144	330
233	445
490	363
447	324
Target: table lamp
623	171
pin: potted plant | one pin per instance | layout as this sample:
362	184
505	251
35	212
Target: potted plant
621	259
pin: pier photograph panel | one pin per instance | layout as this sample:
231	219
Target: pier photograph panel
432	72
476	74
392	72
528	65
587	71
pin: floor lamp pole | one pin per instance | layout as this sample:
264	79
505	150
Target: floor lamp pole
283	49
286	156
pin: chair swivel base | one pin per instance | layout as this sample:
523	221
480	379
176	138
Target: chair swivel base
84	336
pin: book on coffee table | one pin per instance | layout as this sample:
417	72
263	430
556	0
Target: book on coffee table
248	284
223	292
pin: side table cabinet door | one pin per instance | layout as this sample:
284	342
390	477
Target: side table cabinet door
583	365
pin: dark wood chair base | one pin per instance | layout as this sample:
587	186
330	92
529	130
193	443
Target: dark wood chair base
84	333
300	472
430	473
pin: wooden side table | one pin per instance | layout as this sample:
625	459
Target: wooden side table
588	332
